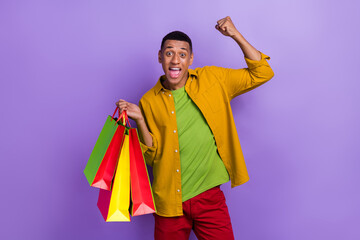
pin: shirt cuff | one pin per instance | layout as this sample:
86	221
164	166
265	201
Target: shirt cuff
254	64
147	149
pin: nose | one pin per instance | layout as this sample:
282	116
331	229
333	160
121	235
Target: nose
175	59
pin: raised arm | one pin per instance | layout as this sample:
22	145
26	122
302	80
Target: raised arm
227	28
239	81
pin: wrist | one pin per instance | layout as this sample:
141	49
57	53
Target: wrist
139	120
237	36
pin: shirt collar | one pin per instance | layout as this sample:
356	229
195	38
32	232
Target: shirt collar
159	87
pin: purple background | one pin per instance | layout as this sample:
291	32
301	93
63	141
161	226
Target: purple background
63	64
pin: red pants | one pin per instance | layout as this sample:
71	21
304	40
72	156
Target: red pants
206	213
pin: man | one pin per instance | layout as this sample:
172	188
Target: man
189	136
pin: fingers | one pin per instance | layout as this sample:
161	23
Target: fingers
223	20
133	111
122	105
220	26
226	27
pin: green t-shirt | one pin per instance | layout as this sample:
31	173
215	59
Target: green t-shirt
201	165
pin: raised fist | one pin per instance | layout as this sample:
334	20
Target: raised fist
226	27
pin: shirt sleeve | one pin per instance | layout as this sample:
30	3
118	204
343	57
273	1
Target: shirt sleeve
149	152
239	81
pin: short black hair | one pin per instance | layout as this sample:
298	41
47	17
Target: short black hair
177	35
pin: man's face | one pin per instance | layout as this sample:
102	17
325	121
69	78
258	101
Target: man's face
175	58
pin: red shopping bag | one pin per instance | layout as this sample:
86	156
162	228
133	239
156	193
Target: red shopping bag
106	171
141	194
100	167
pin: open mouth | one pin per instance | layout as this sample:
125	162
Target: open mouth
174	72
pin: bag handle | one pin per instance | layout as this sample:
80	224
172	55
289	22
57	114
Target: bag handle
123	115
125	118
117	108
119	115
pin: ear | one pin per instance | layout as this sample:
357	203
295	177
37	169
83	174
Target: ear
191	59
159	57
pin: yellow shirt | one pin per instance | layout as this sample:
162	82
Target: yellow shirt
211	89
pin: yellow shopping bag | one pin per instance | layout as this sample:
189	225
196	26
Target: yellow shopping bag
114	205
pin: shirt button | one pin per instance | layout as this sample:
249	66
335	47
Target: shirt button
175	150
174	131
169	95
178	190
172	112
177	170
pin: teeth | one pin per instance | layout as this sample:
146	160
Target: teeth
175	69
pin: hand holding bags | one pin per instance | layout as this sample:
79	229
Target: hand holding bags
122	160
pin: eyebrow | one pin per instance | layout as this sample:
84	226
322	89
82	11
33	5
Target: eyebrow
173	47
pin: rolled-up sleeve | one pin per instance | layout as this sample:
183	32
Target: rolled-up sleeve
239	81
149	152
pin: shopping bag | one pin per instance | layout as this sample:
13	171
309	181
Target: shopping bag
107	148
141	194
106	171
114	204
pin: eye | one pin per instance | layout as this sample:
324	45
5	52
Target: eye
182	55
168	54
